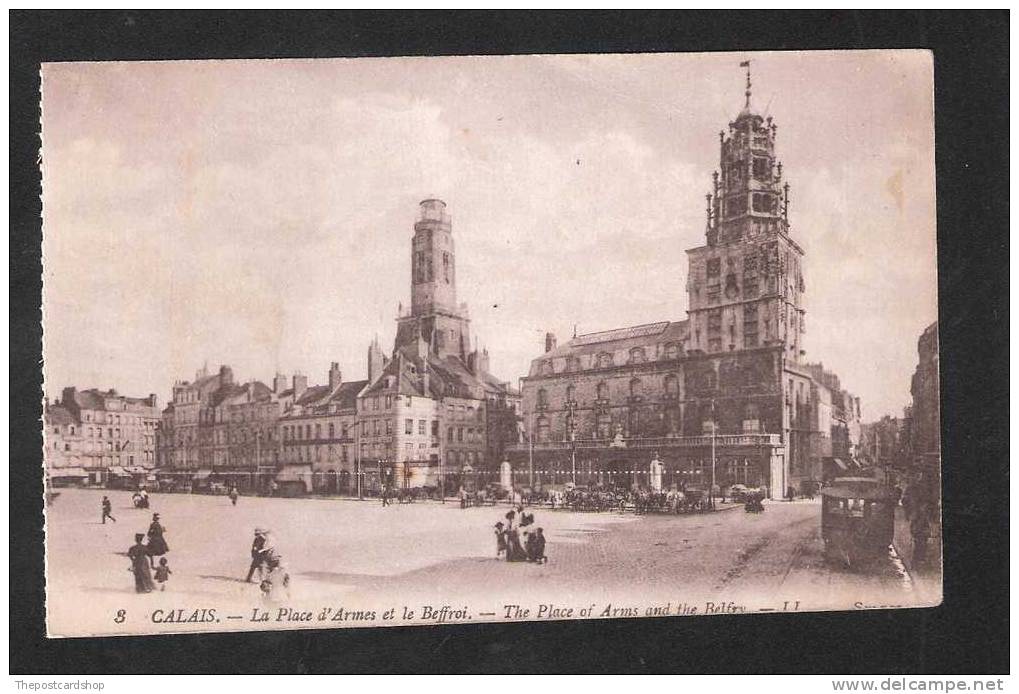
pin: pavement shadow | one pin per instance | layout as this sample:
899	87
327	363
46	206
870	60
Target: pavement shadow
228	579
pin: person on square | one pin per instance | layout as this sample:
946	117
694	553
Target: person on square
163	573
233	495
139	556
157	543
500	540
257	560
536	547
107	510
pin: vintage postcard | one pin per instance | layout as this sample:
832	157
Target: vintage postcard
414	341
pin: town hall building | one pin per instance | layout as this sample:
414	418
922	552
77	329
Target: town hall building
724	395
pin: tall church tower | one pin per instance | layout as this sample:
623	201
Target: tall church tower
745	286
436	324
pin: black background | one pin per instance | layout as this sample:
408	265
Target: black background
967	634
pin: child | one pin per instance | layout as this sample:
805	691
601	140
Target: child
163	573
500	540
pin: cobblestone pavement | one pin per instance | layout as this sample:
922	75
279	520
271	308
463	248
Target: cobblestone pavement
351	555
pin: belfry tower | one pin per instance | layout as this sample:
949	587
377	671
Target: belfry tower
745	286
436	323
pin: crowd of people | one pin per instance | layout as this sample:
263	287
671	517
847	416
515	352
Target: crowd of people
515	543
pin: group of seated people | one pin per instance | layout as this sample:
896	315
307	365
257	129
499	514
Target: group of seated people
508	538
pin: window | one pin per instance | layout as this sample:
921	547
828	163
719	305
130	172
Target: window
543	428
318	431
604	360
389	427
637	355
603	391
332	430
672	384
449	434
376	427
671	350
761	168
307	431
389	401
571	393
542	397
763	202
459	434
714	267
445	267
408	426
546	368
435	428
422	430
635	387
573	364
604	426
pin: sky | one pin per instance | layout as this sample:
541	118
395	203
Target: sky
259	213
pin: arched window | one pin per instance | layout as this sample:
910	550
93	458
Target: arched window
637	355
571	393
542	397
672	384
604	360
635	387
332	430
671	350
603	391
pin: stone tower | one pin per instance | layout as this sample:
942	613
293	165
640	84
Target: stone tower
745	286
436	324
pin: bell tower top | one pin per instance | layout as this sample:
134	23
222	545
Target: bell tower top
748	196
433	268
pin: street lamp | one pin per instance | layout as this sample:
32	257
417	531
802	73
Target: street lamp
714	427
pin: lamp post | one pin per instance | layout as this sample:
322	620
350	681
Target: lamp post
571	407
714	427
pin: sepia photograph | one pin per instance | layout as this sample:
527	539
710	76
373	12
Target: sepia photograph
405	341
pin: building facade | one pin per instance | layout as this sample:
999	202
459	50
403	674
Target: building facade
925	387
724	394
217	429
434	415
100	437
318	434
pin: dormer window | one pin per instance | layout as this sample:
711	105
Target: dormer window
637	355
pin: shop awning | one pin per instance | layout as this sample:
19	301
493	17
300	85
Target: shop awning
67	472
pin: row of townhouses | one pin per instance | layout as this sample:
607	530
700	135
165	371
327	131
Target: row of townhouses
726	394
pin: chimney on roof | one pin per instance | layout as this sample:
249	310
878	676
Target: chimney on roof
226	375
279	383
153	400
335	377
550	342
300	385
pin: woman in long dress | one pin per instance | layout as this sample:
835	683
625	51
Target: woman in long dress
139	555
157	543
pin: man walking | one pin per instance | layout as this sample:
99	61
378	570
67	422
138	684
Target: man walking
107	508
257	555
385	495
